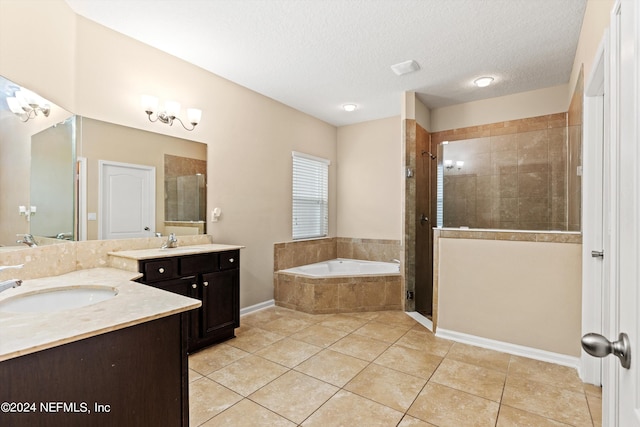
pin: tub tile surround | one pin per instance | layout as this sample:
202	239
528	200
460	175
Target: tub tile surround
383	369
337	294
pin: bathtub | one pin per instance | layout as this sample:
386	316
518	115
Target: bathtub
345	267
340	286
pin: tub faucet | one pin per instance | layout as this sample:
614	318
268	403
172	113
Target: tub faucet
172	242
11	283
27	239
397	261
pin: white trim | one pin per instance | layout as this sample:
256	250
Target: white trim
82	198
421	319
593	197
310	157
505	347
257	307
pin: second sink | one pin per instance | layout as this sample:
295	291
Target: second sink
57	299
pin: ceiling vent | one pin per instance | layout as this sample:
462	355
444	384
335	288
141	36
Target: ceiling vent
405	67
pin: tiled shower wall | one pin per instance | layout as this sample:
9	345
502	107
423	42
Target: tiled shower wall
514	174
294	254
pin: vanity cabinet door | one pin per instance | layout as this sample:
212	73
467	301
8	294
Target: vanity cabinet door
220	312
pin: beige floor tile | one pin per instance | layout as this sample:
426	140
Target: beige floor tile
546	400
544	372
294	395
367	315
424	340
386	386
207	399
595	408
286	325
409	361
592	390
361	347
476	380
511	417
260	317
382	331
396	317
479	356
215	357
248	414
288	352
343	322
332	367
248	374
193	375
446	407
319	335
254	339
409	421
348	409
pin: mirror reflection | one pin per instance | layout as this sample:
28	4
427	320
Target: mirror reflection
66	177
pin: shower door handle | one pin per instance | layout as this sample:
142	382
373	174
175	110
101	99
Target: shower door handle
423	219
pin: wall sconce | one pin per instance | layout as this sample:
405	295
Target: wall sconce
26	105
459	164
170	112
448	164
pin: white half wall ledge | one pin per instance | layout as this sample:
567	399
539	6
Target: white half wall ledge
257	307
514	349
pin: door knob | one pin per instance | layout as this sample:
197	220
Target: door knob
598	346
423	219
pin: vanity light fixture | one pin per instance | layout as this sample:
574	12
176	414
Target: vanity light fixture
448	164
170	112
459	164
26	105
349	107
483	81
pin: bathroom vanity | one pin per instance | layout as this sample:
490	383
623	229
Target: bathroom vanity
209	273
121	361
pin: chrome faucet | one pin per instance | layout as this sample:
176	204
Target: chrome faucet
11	283
27	239
172	242
397	261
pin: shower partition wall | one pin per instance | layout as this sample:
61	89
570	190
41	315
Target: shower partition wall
517	181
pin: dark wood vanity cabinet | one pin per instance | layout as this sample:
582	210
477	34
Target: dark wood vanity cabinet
214	279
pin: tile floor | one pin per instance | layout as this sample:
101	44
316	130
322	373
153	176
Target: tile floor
287	368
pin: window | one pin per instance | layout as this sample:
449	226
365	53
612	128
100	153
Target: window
310	196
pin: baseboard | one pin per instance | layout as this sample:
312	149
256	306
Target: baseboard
257	307
515	349
421	319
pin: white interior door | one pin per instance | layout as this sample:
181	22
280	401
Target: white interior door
622	386
127	200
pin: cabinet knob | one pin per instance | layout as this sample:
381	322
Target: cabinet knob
206	283
231	260
161	270
194	285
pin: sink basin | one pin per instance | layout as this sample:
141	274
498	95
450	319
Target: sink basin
57	299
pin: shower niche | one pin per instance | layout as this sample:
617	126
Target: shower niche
185	195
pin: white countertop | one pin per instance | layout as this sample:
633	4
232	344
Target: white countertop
139	254
24	333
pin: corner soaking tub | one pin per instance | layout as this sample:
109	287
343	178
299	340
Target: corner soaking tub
340	286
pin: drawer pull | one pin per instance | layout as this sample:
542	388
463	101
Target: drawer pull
231	260
194	285
161	270
206	283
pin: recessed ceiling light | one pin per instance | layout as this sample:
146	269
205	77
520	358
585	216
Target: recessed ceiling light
405	67
483	81
349	107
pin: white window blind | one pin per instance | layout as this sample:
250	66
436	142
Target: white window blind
310	196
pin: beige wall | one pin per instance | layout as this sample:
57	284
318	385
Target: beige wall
101	74
595	22
504	108
531	297
370	177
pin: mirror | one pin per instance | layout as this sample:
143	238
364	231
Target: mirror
40	158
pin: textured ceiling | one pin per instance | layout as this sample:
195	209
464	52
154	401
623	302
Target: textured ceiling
316	55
